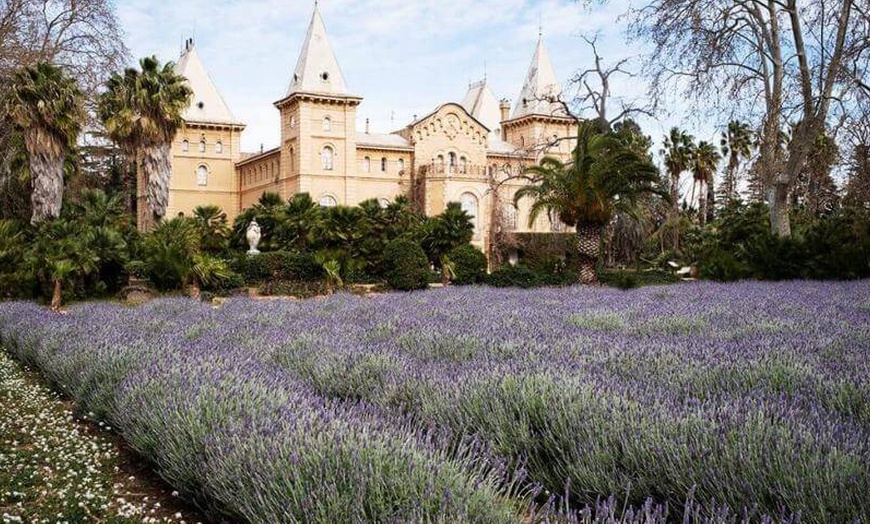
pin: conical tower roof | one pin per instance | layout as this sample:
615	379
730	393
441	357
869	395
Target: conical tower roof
541	83
206	105
317	70
481	103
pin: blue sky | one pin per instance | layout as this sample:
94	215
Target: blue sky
404	57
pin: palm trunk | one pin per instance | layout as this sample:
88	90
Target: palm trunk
711	201
674	218
46	177
129	179
57	295
157	166
702	204
588	251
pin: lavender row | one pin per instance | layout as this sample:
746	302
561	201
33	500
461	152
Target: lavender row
244	441
751	397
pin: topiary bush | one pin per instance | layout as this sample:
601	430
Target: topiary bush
407	267
469	265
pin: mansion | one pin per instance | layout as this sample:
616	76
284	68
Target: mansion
460	152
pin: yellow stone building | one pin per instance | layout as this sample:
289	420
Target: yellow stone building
469	152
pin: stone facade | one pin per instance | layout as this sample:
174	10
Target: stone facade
467	152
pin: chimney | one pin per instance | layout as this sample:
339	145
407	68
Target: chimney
261	148
505	107
367	126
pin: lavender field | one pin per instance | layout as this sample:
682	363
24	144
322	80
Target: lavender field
708	402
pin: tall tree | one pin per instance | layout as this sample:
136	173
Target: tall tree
737	146
678	152
770	60
46	107
603	176
858	158
815	189
704	164
142	113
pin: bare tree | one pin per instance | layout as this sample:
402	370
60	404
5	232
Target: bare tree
857	152
769	60
594	89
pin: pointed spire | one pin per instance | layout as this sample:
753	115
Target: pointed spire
206	105
541	84
481	103
317	70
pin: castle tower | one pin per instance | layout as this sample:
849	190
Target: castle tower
481	103
206	147
318	123
538	118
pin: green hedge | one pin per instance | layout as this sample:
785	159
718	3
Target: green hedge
278	265
543	252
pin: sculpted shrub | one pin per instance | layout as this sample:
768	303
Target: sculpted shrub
407	267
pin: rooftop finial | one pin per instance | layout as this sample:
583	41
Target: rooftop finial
484	69
540	25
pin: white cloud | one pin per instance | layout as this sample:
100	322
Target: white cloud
404	57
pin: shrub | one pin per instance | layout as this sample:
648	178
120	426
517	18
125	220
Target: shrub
469	265
278	265
515	276
406	265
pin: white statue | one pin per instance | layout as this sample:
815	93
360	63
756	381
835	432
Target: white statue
253	235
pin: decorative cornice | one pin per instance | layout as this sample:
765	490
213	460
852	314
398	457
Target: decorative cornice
215	125
540	118
320	97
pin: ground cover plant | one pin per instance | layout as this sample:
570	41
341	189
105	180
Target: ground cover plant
53	469
711	401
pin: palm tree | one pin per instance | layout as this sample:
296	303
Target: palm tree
704	163
62	249
211	222
445	232
46	106
603	176
678	153
737	144
142	113
174	257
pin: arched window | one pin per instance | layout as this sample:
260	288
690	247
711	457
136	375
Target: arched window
292	160
219	147
401	165
383	165
292	121
367	165
451	162
327	123
328	201
439	164
522	141
202	175
327	158
185	146
463	165
202	146
469	205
